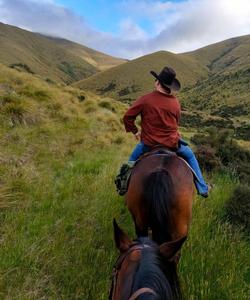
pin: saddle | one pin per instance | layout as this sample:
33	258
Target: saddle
123	178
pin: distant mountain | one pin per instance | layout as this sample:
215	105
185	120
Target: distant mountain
127	81
226	56
51	58
98	59
214	78
228	83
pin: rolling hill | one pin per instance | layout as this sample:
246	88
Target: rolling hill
198	71
215	80
125	82
228	83
98	59
52	59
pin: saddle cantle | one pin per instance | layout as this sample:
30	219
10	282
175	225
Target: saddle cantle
122	180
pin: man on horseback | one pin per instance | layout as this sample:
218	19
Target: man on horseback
160	115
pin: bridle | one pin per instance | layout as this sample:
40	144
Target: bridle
117	267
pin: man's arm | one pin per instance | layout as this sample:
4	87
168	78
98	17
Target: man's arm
131	114
178	113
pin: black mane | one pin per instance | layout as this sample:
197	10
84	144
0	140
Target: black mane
156	273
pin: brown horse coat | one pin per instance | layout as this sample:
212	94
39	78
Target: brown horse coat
160	197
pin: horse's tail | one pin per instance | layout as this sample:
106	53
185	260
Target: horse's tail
158	187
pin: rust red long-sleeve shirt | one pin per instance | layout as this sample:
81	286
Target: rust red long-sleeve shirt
160	115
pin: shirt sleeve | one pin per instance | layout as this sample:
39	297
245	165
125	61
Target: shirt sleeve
131	114
178	113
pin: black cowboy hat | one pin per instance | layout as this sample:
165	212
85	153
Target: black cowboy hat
167	78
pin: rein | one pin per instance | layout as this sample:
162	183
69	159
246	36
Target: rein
142	291
117	267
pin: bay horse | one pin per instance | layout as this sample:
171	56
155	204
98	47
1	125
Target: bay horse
160	196
144	270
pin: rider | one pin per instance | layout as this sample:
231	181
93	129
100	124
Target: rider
160	115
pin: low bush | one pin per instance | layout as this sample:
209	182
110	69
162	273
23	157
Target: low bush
107	105
219	149
206	155
237	209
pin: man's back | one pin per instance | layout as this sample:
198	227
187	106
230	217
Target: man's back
160	115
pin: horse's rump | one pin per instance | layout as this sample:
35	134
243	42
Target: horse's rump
160	196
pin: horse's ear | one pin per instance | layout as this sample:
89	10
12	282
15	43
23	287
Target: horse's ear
170	249
122	240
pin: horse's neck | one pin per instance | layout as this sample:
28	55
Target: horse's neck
150	275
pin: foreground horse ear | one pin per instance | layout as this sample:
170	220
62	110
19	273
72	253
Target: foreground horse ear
170	249
122	240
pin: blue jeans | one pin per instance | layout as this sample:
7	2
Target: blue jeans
186	153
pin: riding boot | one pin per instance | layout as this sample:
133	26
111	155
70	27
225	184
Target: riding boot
122	179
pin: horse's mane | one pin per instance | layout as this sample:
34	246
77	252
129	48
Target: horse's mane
156	273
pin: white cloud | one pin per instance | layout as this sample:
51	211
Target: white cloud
176	26
131	31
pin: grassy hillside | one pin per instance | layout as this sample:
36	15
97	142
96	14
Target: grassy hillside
228	56
215	80
129	80
226	91
52	59
99	60
60	149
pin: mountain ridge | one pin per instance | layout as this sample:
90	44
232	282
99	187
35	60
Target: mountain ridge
47	57
228	59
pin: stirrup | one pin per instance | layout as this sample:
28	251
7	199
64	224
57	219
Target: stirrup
122	179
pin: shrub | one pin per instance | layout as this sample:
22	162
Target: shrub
207	158
22	67
237	209
235	158
107	105
81	98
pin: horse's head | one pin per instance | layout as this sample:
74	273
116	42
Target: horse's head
143	268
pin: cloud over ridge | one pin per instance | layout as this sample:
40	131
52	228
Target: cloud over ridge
175	26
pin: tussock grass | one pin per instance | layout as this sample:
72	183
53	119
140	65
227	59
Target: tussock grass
36	54
59	200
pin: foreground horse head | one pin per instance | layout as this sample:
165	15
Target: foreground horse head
144	270
160	196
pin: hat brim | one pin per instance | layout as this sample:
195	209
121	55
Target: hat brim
175	86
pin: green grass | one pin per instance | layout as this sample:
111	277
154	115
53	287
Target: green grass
59	243
57	202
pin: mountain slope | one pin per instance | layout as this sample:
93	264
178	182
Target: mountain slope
99	60
51	58
226	91
36	54
214	78
127	81
226	56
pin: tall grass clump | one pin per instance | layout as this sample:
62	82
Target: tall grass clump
214	263
58	199
237	208
219	150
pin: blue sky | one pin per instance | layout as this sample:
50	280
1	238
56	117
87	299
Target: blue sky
132	28
106	15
